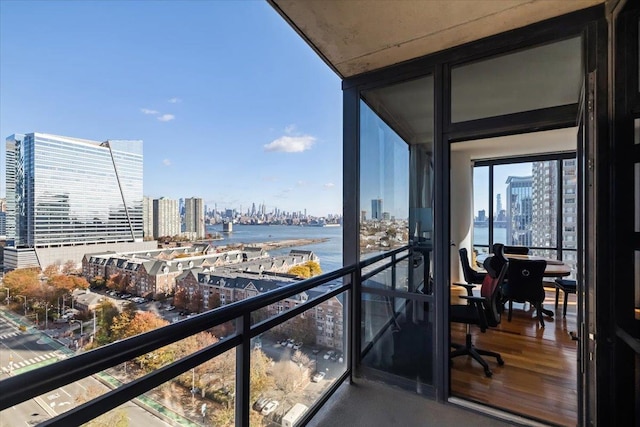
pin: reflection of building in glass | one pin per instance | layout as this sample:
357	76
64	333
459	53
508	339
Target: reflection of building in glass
376	209
66	193
519	210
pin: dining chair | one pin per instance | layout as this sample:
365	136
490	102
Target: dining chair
567	286
524	284
516	250
481	310
471	275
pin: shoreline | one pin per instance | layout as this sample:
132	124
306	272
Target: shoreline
278	244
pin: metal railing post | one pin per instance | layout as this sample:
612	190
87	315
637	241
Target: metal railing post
243	370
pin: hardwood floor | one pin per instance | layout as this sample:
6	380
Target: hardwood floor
539	377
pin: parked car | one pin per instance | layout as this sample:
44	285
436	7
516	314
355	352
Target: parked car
328	354
317	377
270	407
170	308
290	343
297	346
259	404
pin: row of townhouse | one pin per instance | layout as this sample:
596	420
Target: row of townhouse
231	286
153	272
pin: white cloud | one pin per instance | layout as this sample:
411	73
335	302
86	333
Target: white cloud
166	117
291	144
175	100
148	111
289	129
329	185
166	162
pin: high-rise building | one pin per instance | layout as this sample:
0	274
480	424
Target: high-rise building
166	218
194	216
519	210
376	209
64	194
147	216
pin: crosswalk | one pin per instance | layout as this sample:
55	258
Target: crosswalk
9	335
52	355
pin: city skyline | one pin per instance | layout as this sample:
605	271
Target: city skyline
257	118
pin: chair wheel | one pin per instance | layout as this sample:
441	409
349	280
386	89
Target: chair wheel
500	361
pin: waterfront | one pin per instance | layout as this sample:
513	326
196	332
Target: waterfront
329	251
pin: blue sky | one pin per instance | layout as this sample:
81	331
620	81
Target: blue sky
232	105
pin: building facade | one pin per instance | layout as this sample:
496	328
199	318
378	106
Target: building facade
166	218
147	218
194	217
68	192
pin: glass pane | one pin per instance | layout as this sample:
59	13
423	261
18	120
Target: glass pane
513	218
384	187
297	362
481	200
394	341
541	77
569	204
392	119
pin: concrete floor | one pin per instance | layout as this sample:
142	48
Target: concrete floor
372	404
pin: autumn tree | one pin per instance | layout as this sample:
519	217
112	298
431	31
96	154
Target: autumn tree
106	312
314	268
22	281
180	297
213	301
51	271
301	271
69	267
288	376
196	301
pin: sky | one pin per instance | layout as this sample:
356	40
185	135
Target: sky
232	105
500	175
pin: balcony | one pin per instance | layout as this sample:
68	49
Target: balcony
219	382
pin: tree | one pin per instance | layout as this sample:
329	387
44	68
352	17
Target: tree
106	312
314	268
22	281
180	298
214	301
69	267
196	301
98	281
301	271
51	271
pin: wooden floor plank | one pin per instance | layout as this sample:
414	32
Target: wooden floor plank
539	377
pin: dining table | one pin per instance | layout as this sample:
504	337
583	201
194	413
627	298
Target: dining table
555	268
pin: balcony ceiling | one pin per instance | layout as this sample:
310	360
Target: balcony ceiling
357	36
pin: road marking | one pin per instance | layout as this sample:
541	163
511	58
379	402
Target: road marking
9	335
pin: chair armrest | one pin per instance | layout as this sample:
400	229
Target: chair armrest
479	303
467	286
473	298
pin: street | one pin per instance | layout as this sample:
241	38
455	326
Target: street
21	351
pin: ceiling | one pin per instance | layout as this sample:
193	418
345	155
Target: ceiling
357	36
545	142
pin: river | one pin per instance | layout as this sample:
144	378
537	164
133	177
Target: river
329	252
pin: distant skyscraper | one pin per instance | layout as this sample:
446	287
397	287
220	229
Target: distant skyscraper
498	203
147	215
65	193
519	210
194	216
376	209
166	218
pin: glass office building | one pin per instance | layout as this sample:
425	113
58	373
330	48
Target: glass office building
68	191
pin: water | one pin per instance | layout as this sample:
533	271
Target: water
329	252
481	235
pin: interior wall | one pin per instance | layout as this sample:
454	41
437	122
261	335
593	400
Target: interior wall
461	183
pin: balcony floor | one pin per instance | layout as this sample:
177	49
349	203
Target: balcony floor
368	403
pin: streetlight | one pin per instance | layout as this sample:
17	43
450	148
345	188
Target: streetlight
25	304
